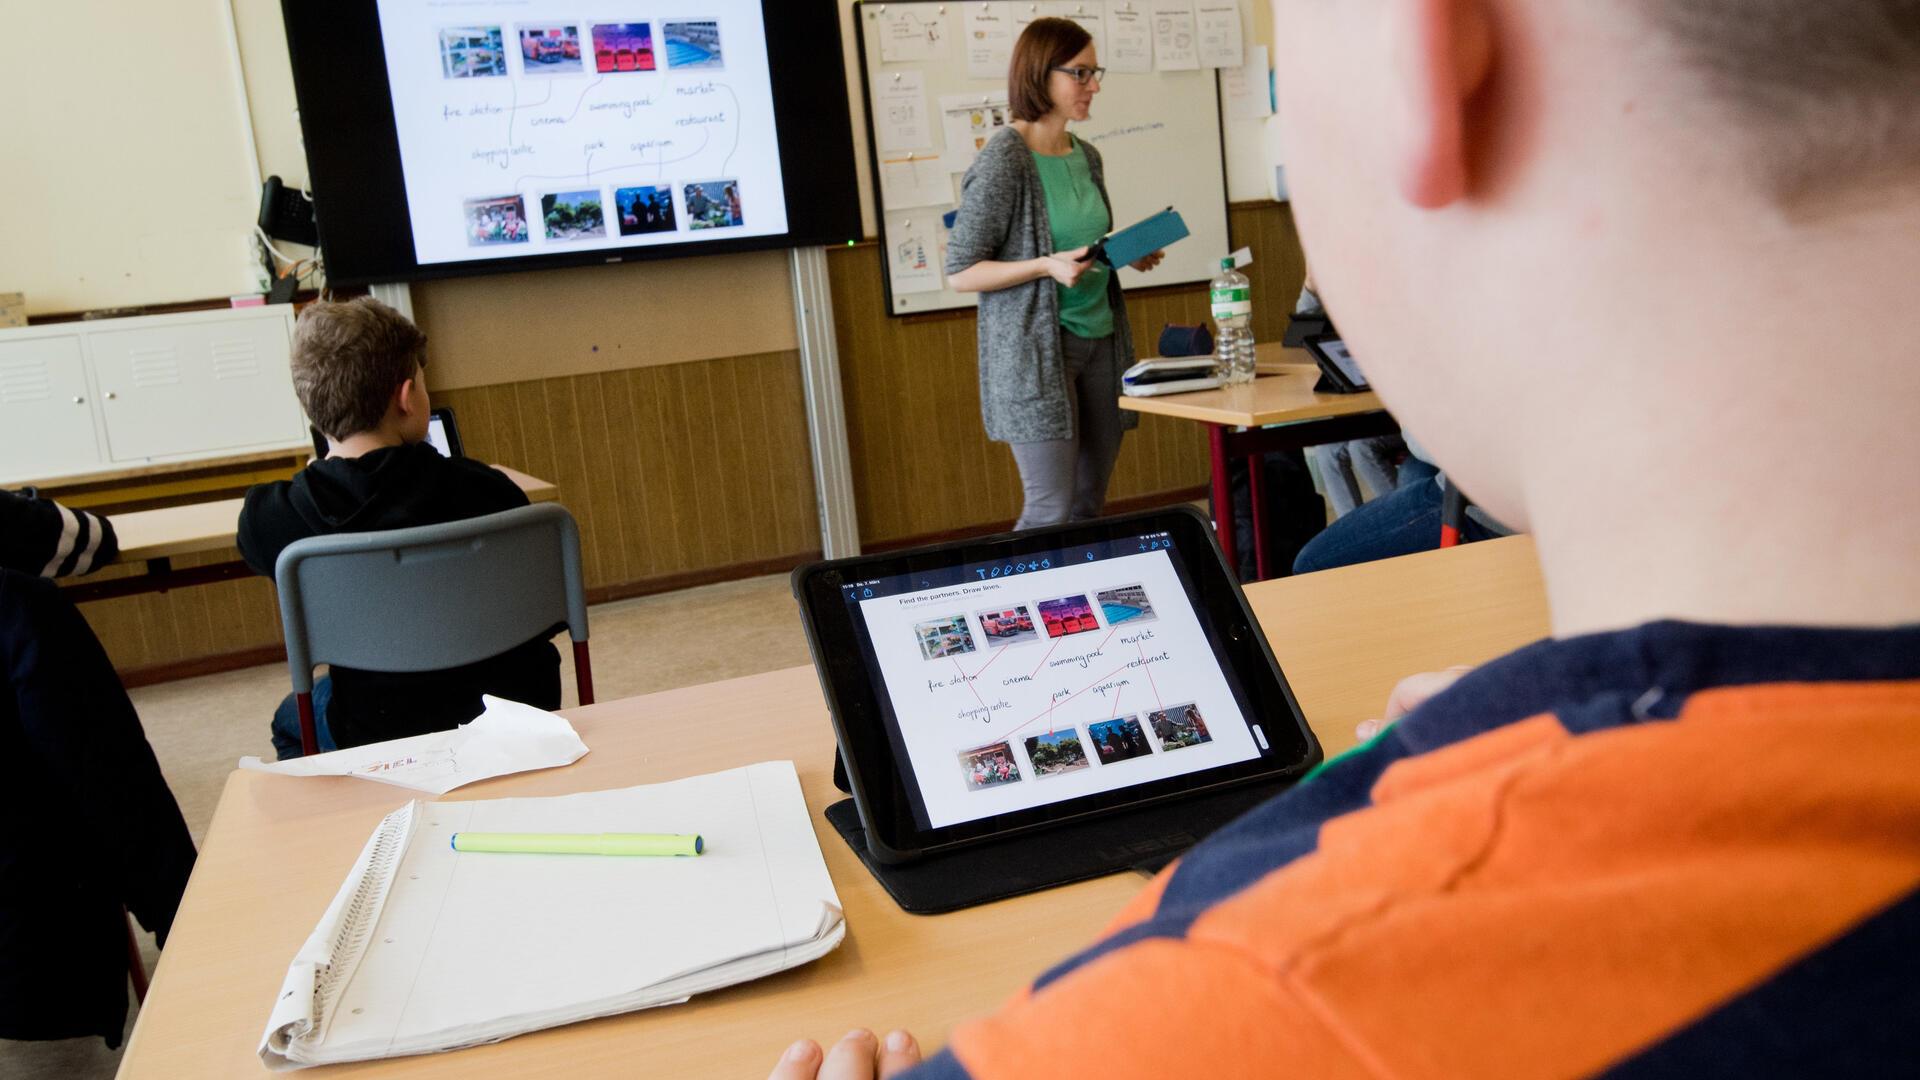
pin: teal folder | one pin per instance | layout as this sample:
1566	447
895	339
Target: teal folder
1137	241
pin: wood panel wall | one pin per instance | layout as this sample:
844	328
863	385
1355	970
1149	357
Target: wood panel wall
701	470
670	471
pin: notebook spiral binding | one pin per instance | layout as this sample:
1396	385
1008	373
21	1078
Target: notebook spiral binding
362	912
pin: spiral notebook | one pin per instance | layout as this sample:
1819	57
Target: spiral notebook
426	949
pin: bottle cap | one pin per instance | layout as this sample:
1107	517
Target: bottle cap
1226	263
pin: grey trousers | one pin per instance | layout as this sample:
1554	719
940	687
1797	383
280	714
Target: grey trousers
1066	479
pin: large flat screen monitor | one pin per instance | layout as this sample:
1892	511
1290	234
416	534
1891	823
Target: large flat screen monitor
450	137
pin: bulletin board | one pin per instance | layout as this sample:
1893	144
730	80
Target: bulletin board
933	73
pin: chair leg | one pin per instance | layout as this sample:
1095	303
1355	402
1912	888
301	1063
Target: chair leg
583	672
1453	515
136	970
309	736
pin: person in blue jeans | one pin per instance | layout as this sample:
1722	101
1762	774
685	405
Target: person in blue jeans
286	721
1403	521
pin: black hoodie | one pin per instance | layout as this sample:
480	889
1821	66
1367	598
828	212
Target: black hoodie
396	488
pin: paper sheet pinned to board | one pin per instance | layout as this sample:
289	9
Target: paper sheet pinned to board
1219	33
988	32
910	32
1174	47
1248	89
1129	38
506	738
900	112
913	248
916	180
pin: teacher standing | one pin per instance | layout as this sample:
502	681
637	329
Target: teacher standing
1053	325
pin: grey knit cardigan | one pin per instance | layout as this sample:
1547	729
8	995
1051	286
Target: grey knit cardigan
1003	217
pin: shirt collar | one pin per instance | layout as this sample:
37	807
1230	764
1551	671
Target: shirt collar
1650	671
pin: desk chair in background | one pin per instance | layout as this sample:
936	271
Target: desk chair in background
447	595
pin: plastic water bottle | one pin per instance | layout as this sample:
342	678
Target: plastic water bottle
1233	324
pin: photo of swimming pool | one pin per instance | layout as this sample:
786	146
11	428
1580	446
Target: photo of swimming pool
1125	604
693	44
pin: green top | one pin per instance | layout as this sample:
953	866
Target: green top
1078	217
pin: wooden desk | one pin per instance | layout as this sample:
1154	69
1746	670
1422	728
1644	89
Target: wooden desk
155	537
279	847
1282	395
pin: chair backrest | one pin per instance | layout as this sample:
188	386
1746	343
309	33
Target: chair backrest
431	597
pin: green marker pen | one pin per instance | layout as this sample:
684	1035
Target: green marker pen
580	843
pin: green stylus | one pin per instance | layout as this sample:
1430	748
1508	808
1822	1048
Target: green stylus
580	843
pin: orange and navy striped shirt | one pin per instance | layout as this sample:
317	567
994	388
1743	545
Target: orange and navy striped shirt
1678	850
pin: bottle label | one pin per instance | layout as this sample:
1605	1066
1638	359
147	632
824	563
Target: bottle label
1231	303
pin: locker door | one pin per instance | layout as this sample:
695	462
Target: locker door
46	417
196	388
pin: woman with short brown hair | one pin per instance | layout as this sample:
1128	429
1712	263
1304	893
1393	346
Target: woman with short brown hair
1053	324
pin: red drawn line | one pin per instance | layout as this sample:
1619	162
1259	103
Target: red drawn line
1043	660
1116	701
988	664
970	686
1150	682
1048	715
1109	637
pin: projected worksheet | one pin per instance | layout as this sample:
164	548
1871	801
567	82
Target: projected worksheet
533	127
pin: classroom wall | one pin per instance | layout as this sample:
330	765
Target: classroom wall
128	179
692	472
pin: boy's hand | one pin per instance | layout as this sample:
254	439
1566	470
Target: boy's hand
1409	694
857	1056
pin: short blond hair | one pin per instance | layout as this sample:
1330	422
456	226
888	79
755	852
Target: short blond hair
1825	93
348	359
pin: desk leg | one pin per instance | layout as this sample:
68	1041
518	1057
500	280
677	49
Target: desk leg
1222	493
1256	505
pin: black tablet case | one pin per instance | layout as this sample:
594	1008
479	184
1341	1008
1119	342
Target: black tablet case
1146	839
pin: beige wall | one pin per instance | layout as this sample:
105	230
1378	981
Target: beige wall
127	177
143	159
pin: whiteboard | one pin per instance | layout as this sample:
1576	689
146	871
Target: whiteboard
1158	133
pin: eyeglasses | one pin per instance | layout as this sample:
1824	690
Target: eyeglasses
1083	75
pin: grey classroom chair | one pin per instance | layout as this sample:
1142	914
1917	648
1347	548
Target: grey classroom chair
431	597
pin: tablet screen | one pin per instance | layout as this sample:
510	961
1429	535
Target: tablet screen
1342	358
437	436
1011	686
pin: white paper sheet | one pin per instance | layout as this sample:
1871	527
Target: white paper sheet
916	180
1219	34
1129	38
1248	93
426	948
910	32
1090	14
913	249
1174	48
507	738
987	30
968	121
900	112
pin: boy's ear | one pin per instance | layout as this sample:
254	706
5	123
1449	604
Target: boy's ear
402	402
1442	51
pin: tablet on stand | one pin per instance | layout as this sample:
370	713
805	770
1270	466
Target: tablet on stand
1021	711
